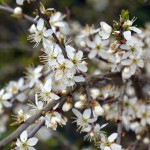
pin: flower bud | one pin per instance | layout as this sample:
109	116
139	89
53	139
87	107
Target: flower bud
138	137
18	11
146	140
98	110
79	104
67	106
82	97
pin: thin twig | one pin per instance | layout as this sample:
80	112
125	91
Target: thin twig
108	101
34	131
11	10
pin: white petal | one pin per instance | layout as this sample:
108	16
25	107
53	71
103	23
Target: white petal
133	68
68	63
127	35
104	35
112	137
24	136
115	146
19	2
77	113
92	54
48	32
40	105
31	148
124	46
54	96
106	27
18	143
20	82
57	115
2	92
40	24
70	51
140	63
48	85
104	125
82	67
61	24
7	96
38	69
135	29
105	30
79	55
92	120
87	129
79	79
32	141
70	73
107	148
97	39
87	113
60	58
32	29
103	54
7	103
126	62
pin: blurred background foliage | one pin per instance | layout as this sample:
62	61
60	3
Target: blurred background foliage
16	52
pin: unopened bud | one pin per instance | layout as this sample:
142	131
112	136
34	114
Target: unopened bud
82	97
18	11
79	104
146	140
64	91
97	109
67	106
138	137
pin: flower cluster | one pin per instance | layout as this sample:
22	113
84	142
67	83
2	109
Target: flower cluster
65	82
126	52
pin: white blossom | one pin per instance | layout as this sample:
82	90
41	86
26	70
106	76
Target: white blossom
95	133
109	144
4	97
24	143
45	93
33	75
76	58
105	30
83	121
53	119
39	32
98	47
